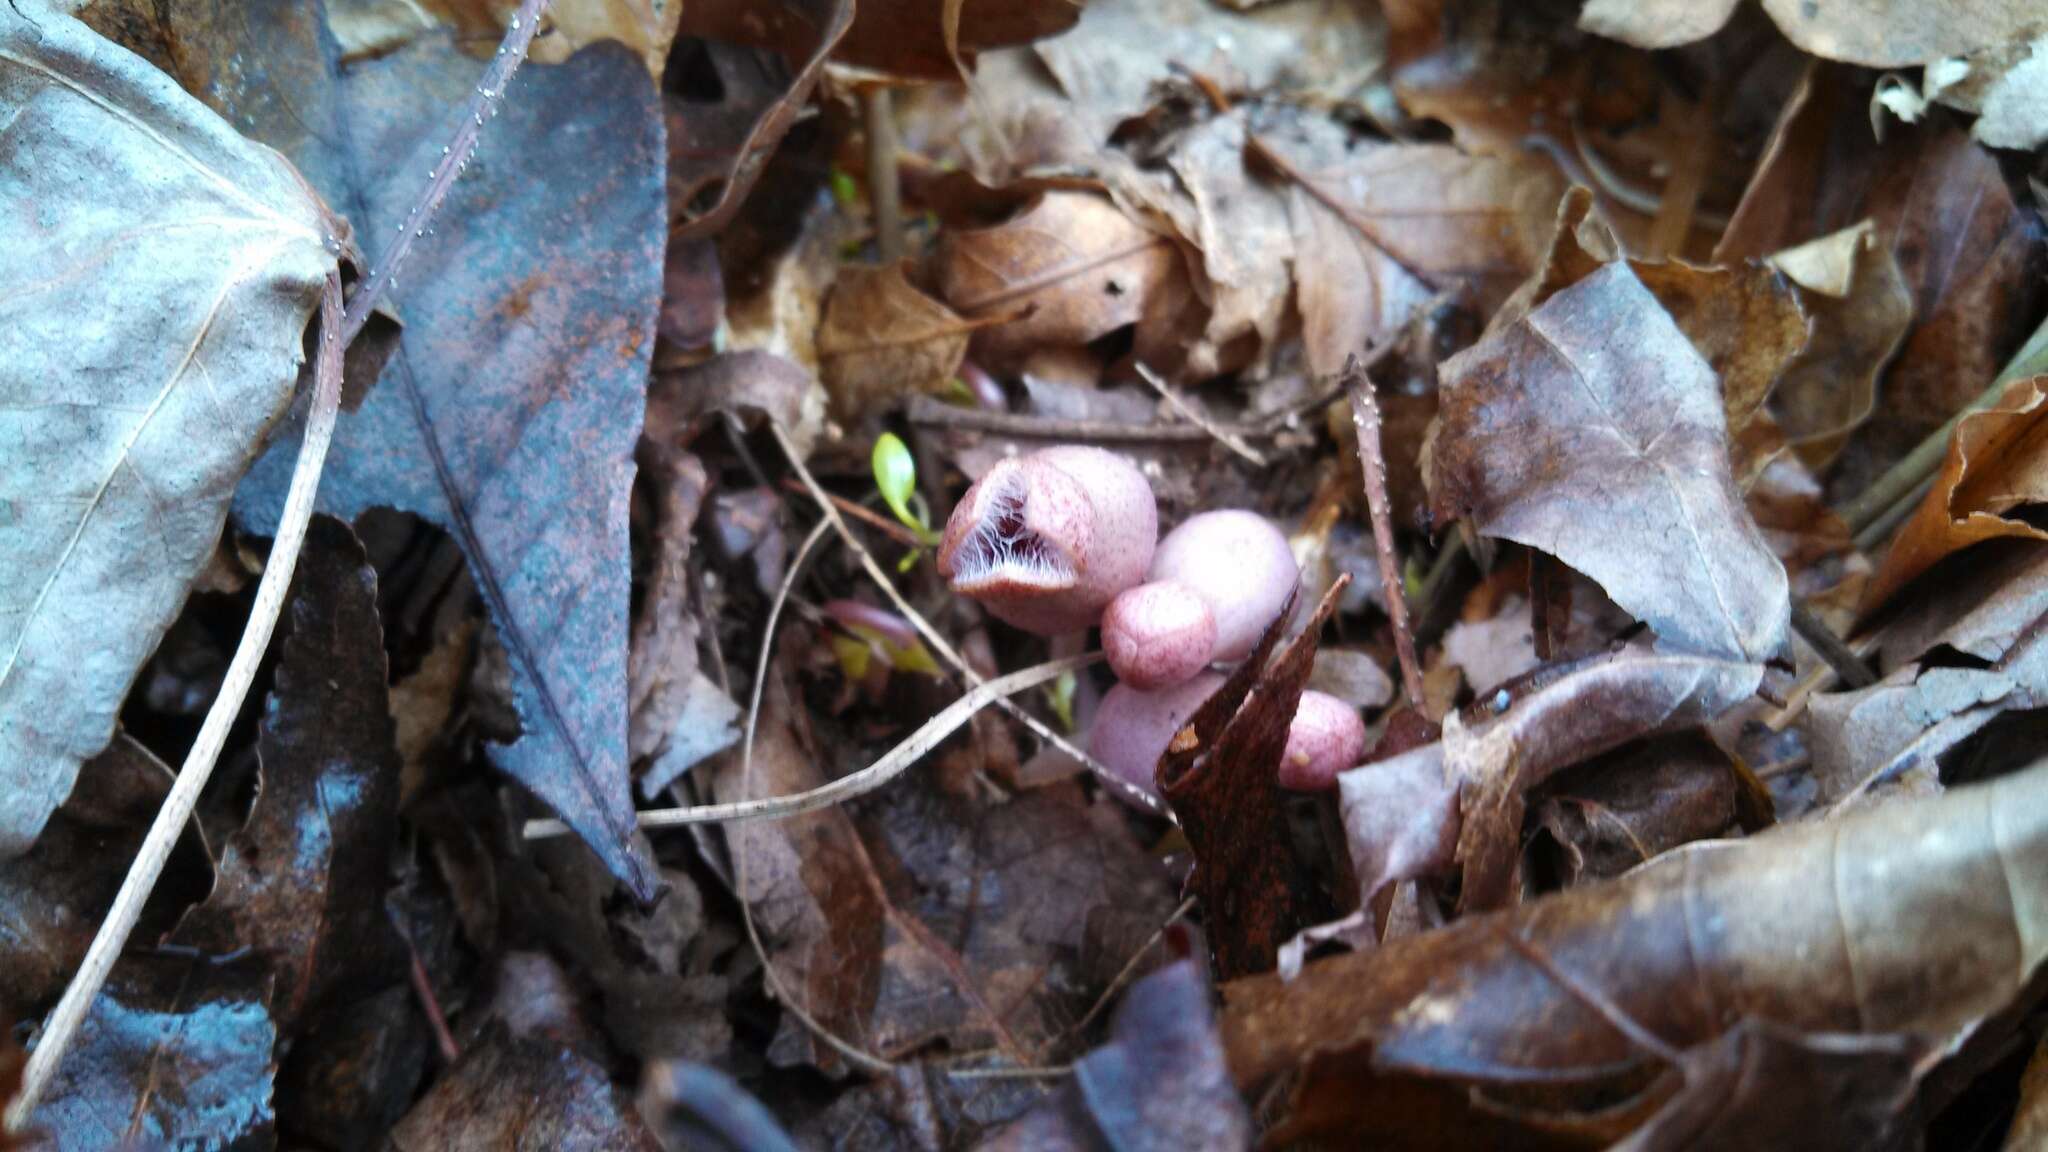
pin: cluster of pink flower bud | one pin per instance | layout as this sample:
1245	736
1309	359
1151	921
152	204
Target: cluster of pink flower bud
1068	537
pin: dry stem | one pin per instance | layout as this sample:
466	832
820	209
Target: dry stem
1365	416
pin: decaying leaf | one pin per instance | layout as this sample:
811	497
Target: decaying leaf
1449	219
1852	288
1221	776
370	28
677	716
523	1091
510	414
1592	430
1879	34
909	38
2013	109
1656	25
1872	33
1071	268
1994	620
148	345
1737	1092
1637	803
732	151
1158	1084
1995	465
302	884
882	338
177	1050
53	897
1459	801
1687	947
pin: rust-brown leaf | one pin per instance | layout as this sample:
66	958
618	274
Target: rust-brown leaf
1221	776
1997	462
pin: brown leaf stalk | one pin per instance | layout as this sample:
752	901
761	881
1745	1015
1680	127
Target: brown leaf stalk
1365	416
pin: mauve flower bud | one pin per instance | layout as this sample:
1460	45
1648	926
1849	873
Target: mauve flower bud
1133	728
1326	738
1158	634
1240	564
1045	541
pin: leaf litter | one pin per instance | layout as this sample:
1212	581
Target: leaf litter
1701	348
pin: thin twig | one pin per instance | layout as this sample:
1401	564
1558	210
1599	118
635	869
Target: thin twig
1365	417
482	105
855	1056
423	991
1224	436
1821	679
1822	639
62	1027
945	649
1123	977
928	413
963	981
878	118
868	516
1054	1072
928	736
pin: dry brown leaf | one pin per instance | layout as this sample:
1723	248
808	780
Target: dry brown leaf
1242	230
522	1091
1873	33
815	897
1997	462
1629	806
2015	109
1861	312
1459	800
369	28
1071	267
675	715
1992	615
1221	777
1158	1084
882	338
907	37
1885	34
1655	23
2030	1124
1687	947
1451	220
1592	430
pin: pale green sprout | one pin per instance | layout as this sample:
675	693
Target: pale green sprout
896	479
